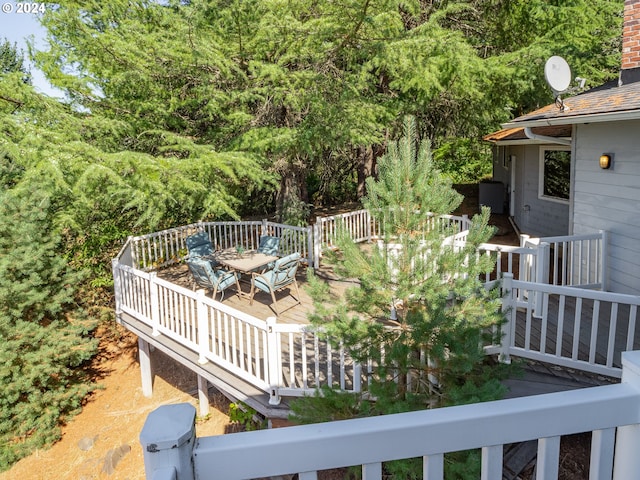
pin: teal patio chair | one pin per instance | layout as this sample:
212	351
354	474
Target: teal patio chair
217	280
269	245
283	274
199	245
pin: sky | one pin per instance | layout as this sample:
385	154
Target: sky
18	26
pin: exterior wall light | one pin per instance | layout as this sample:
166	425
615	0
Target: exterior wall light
605	161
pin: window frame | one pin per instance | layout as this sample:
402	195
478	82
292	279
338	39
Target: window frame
541	178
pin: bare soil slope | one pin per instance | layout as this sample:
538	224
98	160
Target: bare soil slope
102	441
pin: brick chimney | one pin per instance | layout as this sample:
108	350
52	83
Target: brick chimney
630	71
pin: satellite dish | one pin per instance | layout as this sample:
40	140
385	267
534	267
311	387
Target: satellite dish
558	74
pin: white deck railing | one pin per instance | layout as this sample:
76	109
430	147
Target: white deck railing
572	327
173	311
611	413
578	260
160	249
571	260
280	359
360	227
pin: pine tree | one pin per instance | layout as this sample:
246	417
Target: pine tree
429	353
43	334
12	60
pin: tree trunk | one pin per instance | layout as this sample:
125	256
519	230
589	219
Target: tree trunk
292	198
366	164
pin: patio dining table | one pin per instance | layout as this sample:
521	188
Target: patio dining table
245	262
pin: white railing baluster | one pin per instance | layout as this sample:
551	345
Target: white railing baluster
548	458
602	449
576	329
491	462
203	328
303	354
342	368
613	326
155	305
631	330
544	322
595	323
329	364
433	467
292	370
372	471
316	359
560	328
308	476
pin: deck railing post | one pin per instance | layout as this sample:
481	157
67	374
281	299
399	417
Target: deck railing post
310	255
167	439
541	275
155	304
117	286
273	360
465	224
626	458
317	242
508	308
203	327
357	377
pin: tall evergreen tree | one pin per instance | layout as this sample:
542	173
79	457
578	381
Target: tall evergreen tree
318	86
12	60
68	199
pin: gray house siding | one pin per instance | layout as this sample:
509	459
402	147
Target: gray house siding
610	199
535	216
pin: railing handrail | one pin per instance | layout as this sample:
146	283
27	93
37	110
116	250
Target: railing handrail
578	292
367	441
429	434
576	238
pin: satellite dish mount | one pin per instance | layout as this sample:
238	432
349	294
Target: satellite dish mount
558	75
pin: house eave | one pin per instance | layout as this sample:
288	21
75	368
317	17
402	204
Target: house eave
575	120
524	141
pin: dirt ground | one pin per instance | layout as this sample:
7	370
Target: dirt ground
104	437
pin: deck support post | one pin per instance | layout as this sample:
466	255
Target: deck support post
146	371
627	459
203	396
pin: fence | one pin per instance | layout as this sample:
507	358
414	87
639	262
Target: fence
578	260
573	327
360	226
610	412
167	247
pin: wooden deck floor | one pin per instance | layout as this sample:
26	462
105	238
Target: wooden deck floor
290	310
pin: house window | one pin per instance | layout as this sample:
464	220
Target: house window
555	171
